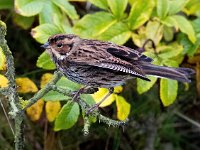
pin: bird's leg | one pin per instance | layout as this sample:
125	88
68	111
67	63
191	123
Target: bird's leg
78	93
83	90
95	106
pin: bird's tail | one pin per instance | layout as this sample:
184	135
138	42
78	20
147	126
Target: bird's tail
179	74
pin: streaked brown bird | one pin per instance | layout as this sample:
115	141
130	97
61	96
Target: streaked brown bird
104	64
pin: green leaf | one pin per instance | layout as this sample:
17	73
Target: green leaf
151	55
93	25
176	6
6	4
170	63
168	91
170	21
50	14
67	84
195	24
42	32
67	8
123	108
140	12
118	7
29	7
2	59
118	33
100	3
193	7
44	61
67	116
140	37
88	99
191	3
186	27
154	31
131	1
189	48
162	8
170	51
144	86
168	33
24	22
55	96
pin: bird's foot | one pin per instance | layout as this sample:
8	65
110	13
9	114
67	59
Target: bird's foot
96	106
92	109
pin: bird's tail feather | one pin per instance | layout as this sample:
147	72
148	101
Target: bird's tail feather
179	74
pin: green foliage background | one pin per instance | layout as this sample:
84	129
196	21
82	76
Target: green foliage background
174	26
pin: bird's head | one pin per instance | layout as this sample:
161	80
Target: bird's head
60	45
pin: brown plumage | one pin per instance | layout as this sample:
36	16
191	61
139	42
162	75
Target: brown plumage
104	64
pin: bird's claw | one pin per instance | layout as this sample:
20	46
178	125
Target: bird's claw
92	109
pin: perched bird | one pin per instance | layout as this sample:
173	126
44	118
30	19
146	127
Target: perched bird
104	64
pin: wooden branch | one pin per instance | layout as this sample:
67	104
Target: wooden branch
45	90
11	91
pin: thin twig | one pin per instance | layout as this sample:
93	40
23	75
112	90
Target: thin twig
111	122
5	113
193	122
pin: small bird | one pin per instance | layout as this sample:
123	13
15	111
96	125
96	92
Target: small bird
97	63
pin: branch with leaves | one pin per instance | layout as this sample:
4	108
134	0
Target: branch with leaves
16	103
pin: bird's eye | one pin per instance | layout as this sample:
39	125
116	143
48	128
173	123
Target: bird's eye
59	45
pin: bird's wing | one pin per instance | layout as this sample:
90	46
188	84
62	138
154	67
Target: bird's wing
108	55
128	54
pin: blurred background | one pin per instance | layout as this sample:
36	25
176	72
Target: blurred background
163	114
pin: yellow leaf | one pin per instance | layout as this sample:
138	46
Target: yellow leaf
100	94
25	85
52	109
118	89
45	79
3	81
123	108
2	60
34	112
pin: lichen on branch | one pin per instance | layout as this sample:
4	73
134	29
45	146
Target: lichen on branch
11	91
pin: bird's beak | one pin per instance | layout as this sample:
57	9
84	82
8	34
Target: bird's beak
46	45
